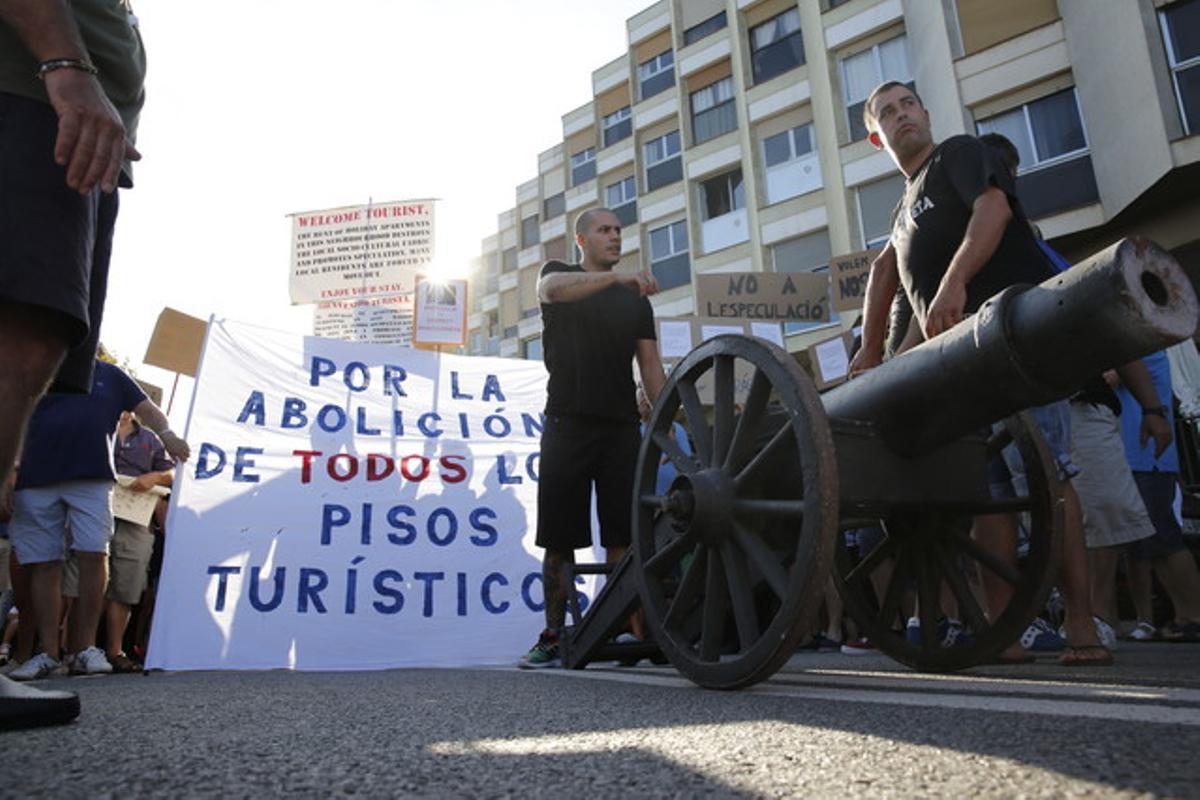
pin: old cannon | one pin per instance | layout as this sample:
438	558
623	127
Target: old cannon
730	564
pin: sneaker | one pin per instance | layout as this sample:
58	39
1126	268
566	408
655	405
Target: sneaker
858	647
950	632
1181	632
827	645
91	661
1142	632
40	666
1040	637
627	638
543	654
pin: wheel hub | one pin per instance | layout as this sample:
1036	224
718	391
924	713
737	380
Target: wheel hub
701	504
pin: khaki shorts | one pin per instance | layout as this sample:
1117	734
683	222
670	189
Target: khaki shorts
128	565
1113	511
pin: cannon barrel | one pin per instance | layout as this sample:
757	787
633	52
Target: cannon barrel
1027	346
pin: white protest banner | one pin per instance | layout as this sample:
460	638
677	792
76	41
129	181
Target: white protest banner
360	251
382	319
440	313
352	506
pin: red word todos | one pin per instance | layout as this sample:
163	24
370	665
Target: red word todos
415	467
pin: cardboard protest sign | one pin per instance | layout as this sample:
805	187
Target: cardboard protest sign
783	296
848	278
830	360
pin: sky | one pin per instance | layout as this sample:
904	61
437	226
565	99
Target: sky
261	108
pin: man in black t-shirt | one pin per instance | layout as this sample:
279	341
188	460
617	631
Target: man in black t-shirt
959	236
595	323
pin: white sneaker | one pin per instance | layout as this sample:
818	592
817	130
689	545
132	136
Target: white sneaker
1107	636
91	661
40	666
1143	632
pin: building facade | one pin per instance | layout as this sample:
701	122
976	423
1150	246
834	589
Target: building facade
729	137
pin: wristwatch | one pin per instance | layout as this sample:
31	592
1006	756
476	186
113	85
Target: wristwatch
1156	411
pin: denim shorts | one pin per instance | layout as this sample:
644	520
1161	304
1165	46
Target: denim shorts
1006	472
44	517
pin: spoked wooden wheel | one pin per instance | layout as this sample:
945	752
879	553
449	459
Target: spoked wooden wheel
733	558
931	556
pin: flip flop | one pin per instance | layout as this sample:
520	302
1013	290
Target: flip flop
1090	656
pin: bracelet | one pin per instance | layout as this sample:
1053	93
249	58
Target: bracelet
65	63
1156	411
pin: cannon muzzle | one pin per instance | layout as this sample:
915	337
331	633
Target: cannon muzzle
1027	346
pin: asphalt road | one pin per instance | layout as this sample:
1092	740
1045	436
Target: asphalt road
827	725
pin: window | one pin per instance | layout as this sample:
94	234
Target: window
510	332
663	162
620	198
556	249
554	206
508	260
493	273
862	72
583	166
809	253
1181	32
702	29
876	201
617	126
1056	171
713	112
776	46
790	163
529	232
669	255
532	348
657	74
722	195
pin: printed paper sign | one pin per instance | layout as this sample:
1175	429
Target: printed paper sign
352	506
674	338
382	319
440	313
848	278
360	251
831	360
135	507
787	296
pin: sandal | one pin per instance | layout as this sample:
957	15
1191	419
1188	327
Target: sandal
123	663
1021	658
1091	656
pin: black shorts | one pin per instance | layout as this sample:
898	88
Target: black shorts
1158	494
577	452
54	242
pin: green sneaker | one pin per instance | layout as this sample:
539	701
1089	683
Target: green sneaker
543	654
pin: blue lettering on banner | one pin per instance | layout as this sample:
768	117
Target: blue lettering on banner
364	376
242	462
293	413
204	470
314	589
255	407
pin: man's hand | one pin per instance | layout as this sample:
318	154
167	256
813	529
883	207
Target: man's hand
863	361
144	483
946	310
1156	428
643	283
177	447
91	142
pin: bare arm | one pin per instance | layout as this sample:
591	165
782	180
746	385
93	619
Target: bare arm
989	216
882	283
91	141
147	481
650	367
154	419
1137	380
569	287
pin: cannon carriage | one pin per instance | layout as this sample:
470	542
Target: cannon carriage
730	564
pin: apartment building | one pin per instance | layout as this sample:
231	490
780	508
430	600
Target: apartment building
729	137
